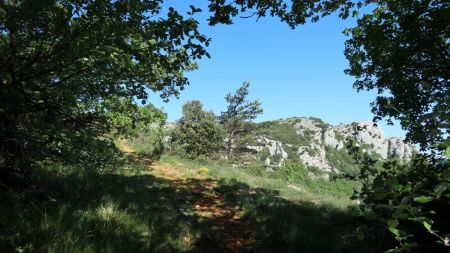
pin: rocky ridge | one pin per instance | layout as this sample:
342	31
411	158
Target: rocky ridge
314	143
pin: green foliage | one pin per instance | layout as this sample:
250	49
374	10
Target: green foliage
287	134
264	153
293	171
196	133
67	65
400	49
320	124
129	120
236	120
296	173
292	12
401	201
147	139
341	160
256	169
339	136
412	201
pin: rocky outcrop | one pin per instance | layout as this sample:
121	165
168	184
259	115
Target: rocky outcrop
317	158
318	137
330	139
369	133
397	148
275	149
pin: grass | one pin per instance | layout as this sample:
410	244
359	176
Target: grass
286	133
287	218
335	194
341	160
122	211
126	207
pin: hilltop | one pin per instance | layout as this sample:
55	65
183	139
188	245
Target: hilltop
321	145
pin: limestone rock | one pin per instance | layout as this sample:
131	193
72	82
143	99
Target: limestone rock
321	137
274	147
369	133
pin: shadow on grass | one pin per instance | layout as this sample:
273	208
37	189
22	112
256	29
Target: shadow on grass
284	226
128	210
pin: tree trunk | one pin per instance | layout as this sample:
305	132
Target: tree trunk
14	169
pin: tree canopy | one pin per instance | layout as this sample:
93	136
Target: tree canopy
402	50
293	12
237	118
65	63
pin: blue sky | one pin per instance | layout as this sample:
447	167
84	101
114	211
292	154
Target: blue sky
293	72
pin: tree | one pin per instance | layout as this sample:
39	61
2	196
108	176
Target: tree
237	118
293	12
402	50
63	63
196	133
143	128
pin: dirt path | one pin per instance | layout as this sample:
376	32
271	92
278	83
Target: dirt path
232	234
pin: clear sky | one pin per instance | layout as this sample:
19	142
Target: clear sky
293	72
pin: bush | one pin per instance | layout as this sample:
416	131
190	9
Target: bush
196	134
405	206
146	138
293	171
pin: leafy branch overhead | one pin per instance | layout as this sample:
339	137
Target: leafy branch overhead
402	50
63	62
293	12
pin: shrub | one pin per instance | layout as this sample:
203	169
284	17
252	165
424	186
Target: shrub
196	134
405	206
293	171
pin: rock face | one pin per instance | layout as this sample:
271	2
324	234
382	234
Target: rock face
275	149
369	133
312	141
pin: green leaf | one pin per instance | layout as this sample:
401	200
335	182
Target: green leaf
394	231
440	188
397	187
381	195
446	174
447	152
359	235
400	215
423	199
427	225
392	223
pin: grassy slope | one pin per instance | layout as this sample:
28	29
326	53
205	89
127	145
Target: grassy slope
130	208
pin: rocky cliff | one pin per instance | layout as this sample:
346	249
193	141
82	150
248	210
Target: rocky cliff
323	146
